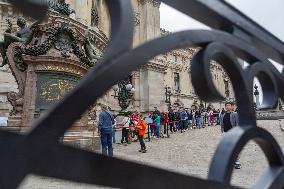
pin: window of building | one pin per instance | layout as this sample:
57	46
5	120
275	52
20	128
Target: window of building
176	82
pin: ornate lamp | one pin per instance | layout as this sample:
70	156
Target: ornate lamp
124	92
168	93
256	94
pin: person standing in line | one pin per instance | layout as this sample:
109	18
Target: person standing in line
157	122
141	128
202	118
193	119
176	121
197	118
113	126
171	120
189	118
114	129
125	129
166	123
183	116
134	119
229	120
152	126
105	129
163	123
218	117
223	111
211	118
156	111
206	115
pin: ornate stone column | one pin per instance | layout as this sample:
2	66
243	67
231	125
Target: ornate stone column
149	19
136	85
152	92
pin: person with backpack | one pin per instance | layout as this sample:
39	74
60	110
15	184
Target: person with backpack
105	130
141	127
125	129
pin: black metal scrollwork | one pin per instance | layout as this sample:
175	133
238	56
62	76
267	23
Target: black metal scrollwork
234	36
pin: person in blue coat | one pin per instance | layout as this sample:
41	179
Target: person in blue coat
105	129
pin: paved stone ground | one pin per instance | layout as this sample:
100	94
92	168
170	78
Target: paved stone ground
189	153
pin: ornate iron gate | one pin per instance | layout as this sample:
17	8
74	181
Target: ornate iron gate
233	36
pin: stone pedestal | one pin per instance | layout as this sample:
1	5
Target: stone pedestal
48	68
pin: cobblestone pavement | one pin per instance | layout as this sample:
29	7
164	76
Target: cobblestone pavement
189	153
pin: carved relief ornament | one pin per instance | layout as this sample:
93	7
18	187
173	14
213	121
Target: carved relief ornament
155	3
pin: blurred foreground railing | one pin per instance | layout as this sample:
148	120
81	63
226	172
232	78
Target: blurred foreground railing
233	36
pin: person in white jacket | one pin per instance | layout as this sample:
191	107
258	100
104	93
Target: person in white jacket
125	129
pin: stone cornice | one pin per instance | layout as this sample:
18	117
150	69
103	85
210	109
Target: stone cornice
155	67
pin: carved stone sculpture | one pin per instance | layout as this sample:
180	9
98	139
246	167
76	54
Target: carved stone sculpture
24	35
95	14
61	7
17	102
90	50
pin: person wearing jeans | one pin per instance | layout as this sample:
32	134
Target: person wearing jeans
171	120
106	121
229	120
125	129
157	122
113	131
183	118
198	119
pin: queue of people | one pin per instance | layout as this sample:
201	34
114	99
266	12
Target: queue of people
135	125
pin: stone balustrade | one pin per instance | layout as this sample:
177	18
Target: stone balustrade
270	114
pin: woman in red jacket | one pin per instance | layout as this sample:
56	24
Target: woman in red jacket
141	127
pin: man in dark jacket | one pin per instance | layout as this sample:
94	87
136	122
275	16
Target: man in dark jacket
106	121
171	120
229	120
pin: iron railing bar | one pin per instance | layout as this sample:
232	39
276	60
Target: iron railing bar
221	15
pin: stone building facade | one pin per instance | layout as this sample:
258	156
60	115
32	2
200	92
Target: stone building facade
169	69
